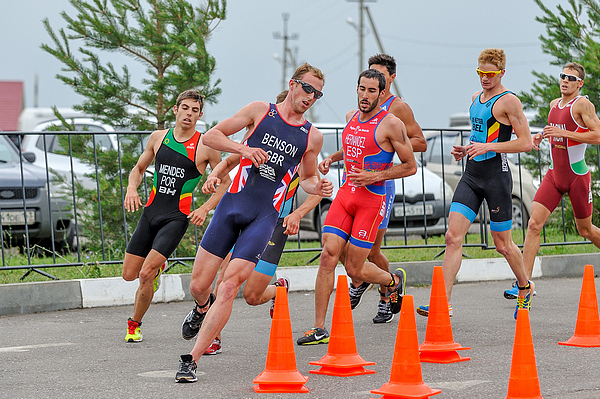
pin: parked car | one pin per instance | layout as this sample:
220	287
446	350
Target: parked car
423	216
18	178
439	145
57	160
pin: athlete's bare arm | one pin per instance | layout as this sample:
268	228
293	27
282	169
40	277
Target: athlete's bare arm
292	221
309	178
391	136
132	198
248	117
402	110
509	111
584	114
213	157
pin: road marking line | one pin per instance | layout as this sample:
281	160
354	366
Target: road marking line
28	347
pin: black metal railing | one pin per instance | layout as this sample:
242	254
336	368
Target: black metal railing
59	216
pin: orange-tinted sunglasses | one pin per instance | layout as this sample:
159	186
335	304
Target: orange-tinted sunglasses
488	74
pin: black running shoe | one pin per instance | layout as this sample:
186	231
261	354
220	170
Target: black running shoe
187	370
314	336
193	321
398	293
384	313
357	292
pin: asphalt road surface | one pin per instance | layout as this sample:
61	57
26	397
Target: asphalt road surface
82	353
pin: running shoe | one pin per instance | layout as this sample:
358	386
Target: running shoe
357	292
134	333
314	336
384	313
524	302
397	294
193	321
187	370
157	278
513	293
281	282
424	310
214	348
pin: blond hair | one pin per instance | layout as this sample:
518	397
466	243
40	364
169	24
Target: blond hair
494	56
307	68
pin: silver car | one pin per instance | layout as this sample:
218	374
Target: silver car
25	202
421	204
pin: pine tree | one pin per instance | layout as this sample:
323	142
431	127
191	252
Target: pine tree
166	37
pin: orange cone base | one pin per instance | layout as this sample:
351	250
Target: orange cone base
442	356
583	341
280	382
393	390
342	366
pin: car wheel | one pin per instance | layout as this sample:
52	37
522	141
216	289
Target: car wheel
320	218
519	215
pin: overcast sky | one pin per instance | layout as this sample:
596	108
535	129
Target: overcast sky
435	43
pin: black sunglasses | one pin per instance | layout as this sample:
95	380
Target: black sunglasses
570	78
309	89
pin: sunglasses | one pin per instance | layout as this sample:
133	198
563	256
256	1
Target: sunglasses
309	89
488	74
570	78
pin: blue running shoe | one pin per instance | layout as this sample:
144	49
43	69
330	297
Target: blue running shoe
524	302
513	293
424	310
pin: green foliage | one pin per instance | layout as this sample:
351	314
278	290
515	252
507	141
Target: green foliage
165	37
572	34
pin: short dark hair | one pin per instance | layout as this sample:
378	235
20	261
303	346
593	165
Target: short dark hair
576	67
384	60
193	94
373	74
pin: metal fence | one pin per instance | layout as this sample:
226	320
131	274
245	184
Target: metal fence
44	211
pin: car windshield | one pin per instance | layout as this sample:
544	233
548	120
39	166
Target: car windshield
7	151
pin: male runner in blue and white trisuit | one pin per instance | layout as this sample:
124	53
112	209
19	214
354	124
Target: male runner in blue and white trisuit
279	143
494	113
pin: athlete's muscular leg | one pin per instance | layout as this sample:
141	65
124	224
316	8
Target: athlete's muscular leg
257	289
146	273
458	226
206	266
588	231
361	271
531	246
377	257
332	248
505	246
237	272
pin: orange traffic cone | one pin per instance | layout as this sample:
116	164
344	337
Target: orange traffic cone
280	374
523	382
342	359
406	380
439	345
587	328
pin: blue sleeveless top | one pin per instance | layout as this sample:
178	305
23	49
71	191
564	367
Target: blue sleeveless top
484	127
286	145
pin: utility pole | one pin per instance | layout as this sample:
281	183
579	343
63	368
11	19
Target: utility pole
381	50
361	30
286	49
